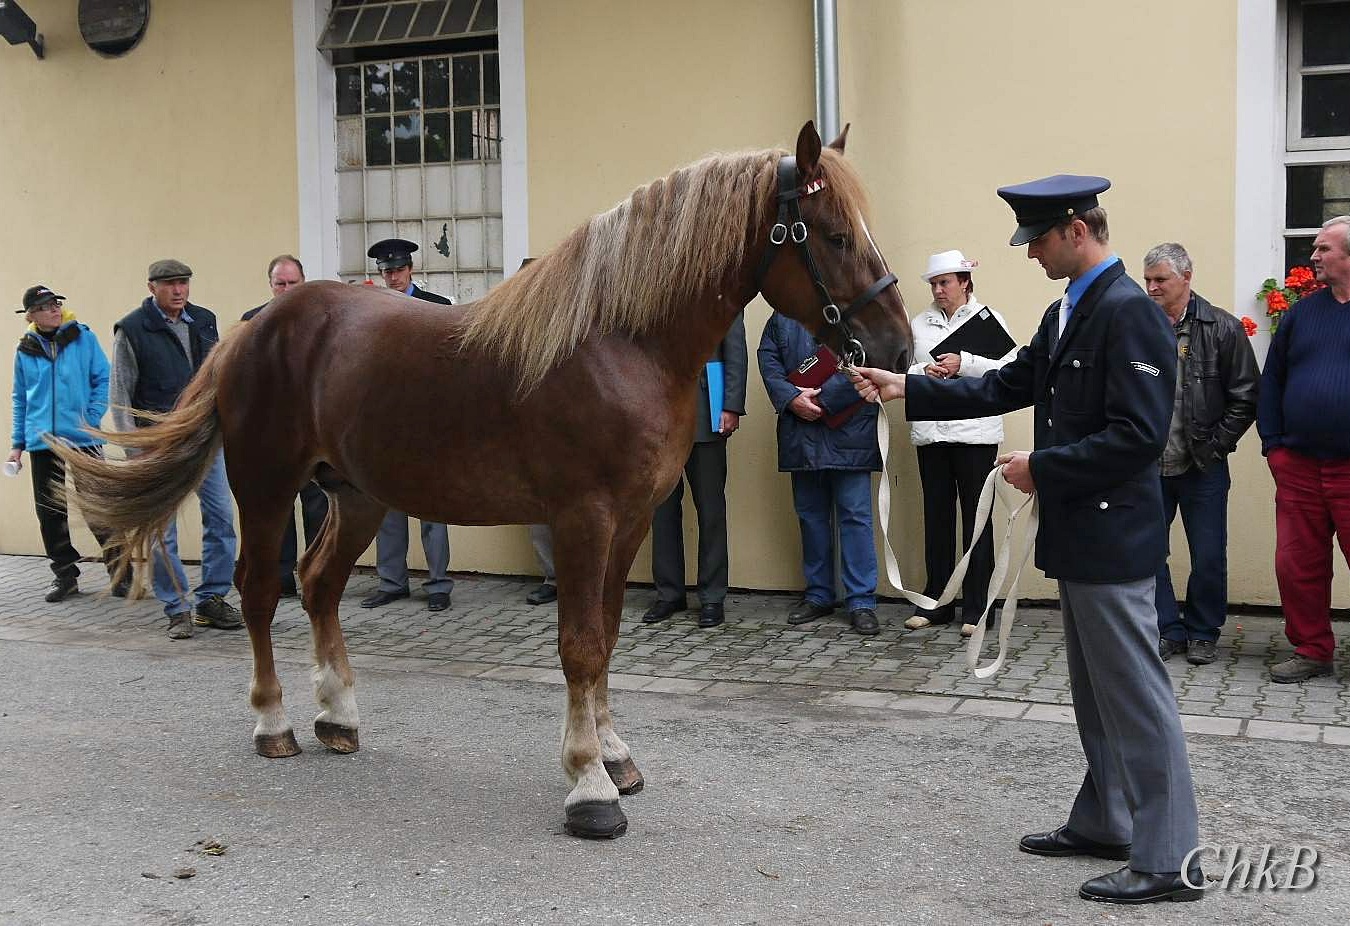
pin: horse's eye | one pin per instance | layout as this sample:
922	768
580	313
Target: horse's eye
839	240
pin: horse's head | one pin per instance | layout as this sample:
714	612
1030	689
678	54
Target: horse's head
832	277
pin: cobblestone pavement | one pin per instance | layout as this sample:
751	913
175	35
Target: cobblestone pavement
490	632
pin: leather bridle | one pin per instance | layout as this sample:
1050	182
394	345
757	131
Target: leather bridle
789	224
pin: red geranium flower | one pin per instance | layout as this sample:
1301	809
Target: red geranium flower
1248	326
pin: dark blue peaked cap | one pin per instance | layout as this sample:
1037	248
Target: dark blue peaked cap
1041	204
392	253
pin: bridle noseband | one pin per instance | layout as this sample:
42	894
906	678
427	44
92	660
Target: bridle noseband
789	224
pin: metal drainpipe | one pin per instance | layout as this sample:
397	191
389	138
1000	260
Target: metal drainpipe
827	123
827	69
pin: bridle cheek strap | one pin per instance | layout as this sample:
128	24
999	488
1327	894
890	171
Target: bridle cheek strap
788	224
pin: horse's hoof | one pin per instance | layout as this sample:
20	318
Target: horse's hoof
337	737
276	745
625	775
596	820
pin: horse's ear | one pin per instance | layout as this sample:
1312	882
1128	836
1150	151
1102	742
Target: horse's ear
838	143
808	152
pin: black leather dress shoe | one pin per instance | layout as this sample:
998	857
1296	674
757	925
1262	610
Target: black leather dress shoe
807	611
710	615
1133	887
543	594
663	609
1064	842
438	601
380	599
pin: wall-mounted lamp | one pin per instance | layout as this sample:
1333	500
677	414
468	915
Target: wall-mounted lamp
18	27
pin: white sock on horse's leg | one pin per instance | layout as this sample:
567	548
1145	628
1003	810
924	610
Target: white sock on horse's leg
592	806
338	722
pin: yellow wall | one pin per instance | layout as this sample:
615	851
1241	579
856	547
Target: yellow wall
185	147
952	100
622	93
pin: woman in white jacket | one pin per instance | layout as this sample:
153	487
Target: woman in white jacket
954	456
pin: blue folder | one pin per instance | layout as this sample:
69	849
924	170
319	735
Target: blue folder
716	390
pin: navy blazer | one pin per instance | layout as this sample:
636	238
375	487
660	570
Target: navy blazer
1103	396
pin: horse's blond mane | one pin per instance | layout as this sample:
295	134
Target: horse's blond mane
632	268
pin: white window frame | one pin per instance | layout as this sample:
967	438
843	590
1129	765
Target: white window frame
1299	151
1294	140
316	147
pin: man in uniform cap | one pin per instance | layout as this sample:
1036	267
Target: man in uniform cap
1100	373
393	256
157	348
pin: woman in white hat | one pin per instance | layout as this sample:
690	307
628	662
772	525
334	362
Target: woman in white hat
954	456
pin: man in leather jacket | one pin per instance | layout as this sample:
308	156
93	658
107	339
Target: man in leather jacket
1215	404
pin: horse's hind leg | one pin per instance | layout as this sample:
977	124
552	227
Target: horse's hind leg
592	806
353	519
618	760
261	521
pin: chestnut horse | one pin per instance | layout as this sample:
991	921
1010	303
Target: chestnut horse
566	396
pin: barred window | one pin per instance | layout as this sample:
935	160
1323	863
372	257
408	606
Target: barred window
1317	145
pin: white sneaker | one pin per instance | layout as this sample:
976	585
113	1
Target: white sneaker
918	623
967	630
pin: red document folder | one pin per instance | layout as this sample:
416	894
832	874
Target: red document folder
812	374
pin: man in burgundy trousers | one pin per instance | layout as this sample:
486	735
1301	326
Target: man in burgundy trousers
1303	417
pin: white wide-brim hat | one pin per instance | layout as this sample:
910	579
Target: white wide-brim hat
948	262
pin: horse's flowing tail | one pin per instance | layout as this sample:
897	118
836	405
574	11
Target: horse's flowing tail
135	499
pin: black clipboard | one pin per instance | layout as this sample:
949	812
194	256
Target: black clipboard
981	334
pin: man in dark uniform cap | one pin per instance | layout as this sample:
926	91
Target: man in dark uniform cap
394	258
1101	373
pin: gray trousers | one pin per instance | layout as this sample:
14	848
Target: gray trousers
391	554
1138	785
706	470
542	540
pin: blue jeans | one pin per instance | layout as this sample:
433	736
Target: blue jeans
1202	495
218	546
847	495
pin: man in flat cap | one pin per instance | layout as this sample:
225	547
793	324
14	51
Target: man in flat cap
156	350
393	256
1101	373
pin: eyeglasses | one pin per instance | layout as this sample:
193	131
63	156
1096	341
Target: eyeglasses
46	307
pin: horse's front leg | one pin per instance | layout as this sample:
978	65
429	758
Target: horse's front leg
592	807
618	759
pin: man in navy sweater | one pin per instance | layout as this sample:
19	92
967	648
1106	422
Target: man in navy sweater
1304	421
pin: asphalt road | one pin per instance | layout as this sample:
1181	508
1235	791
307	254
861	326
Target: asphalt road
117	768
